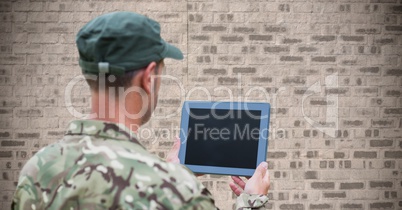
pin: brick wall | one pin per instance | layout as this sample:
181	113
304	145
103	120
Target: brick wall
330	68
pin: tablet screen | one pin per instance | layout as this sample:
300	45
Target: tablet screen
223	138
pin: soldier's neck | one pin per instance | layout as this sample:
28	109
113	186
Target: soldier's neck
109	109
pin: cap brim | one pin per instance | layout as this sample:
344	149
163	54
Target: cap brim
173	52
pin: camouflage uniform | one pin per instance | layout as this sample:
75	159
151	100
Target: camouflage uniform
101	165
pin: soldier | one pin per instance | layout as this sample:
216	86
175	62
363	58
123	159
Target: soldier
99	163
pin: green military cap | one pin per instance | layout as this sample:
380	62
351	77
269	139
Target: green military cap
117	42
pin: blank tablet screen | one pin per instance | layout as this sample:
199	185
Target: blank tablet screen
223	138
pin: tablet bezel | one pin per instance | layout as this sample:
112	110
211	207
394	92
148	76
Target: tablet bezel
262	143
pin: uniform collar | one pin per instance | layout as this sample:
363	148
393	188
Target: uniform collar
102	129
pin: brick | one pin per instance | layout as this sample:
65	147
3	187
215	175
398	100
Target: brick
294	80
244	70
368	30
199	38
390	194
291	58
320	206
323	185
277	155
296	206
393	154
276	49
5	71
43	38
291	41
262	79
244	7
230	60
255	17
6	49
351	186
382	205
323	38
381	143
213	71
231	38
365	154
210	49
369	70
389	164
323	59
397	29
384	41
307	49
275	29
230	18
169	17
5	134
366	91
213	28
42	59
10	59
352	206
393	72
260	37
353	123
381	184
55	6
339	155
29	135
393	111
227	81
393	92
353	18
12	143
394	9
334	194
337	91
27	48
311	175
6	154
390	102
195	18
44	123
59	28
245	49
6	112
25	27
245	30
31	6
43	17
203	59
352	38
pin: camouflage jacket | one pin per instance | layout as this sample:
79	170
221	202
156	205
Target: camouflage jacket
100	165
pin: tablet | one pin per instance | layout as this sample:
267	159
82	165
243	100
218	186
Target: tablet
229	138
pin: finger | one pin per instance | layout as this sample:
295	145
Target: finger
239	181
267	178
176	146
235	188
261	170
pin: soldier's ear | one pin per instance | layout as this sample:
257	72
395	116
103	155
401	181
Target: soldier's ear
147	76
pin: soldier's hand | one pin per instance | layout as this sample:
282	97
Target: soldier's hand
258	184
173	154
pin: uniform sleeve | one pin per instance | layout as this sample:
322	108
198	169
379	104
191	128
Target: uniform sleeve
246	201
243	202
